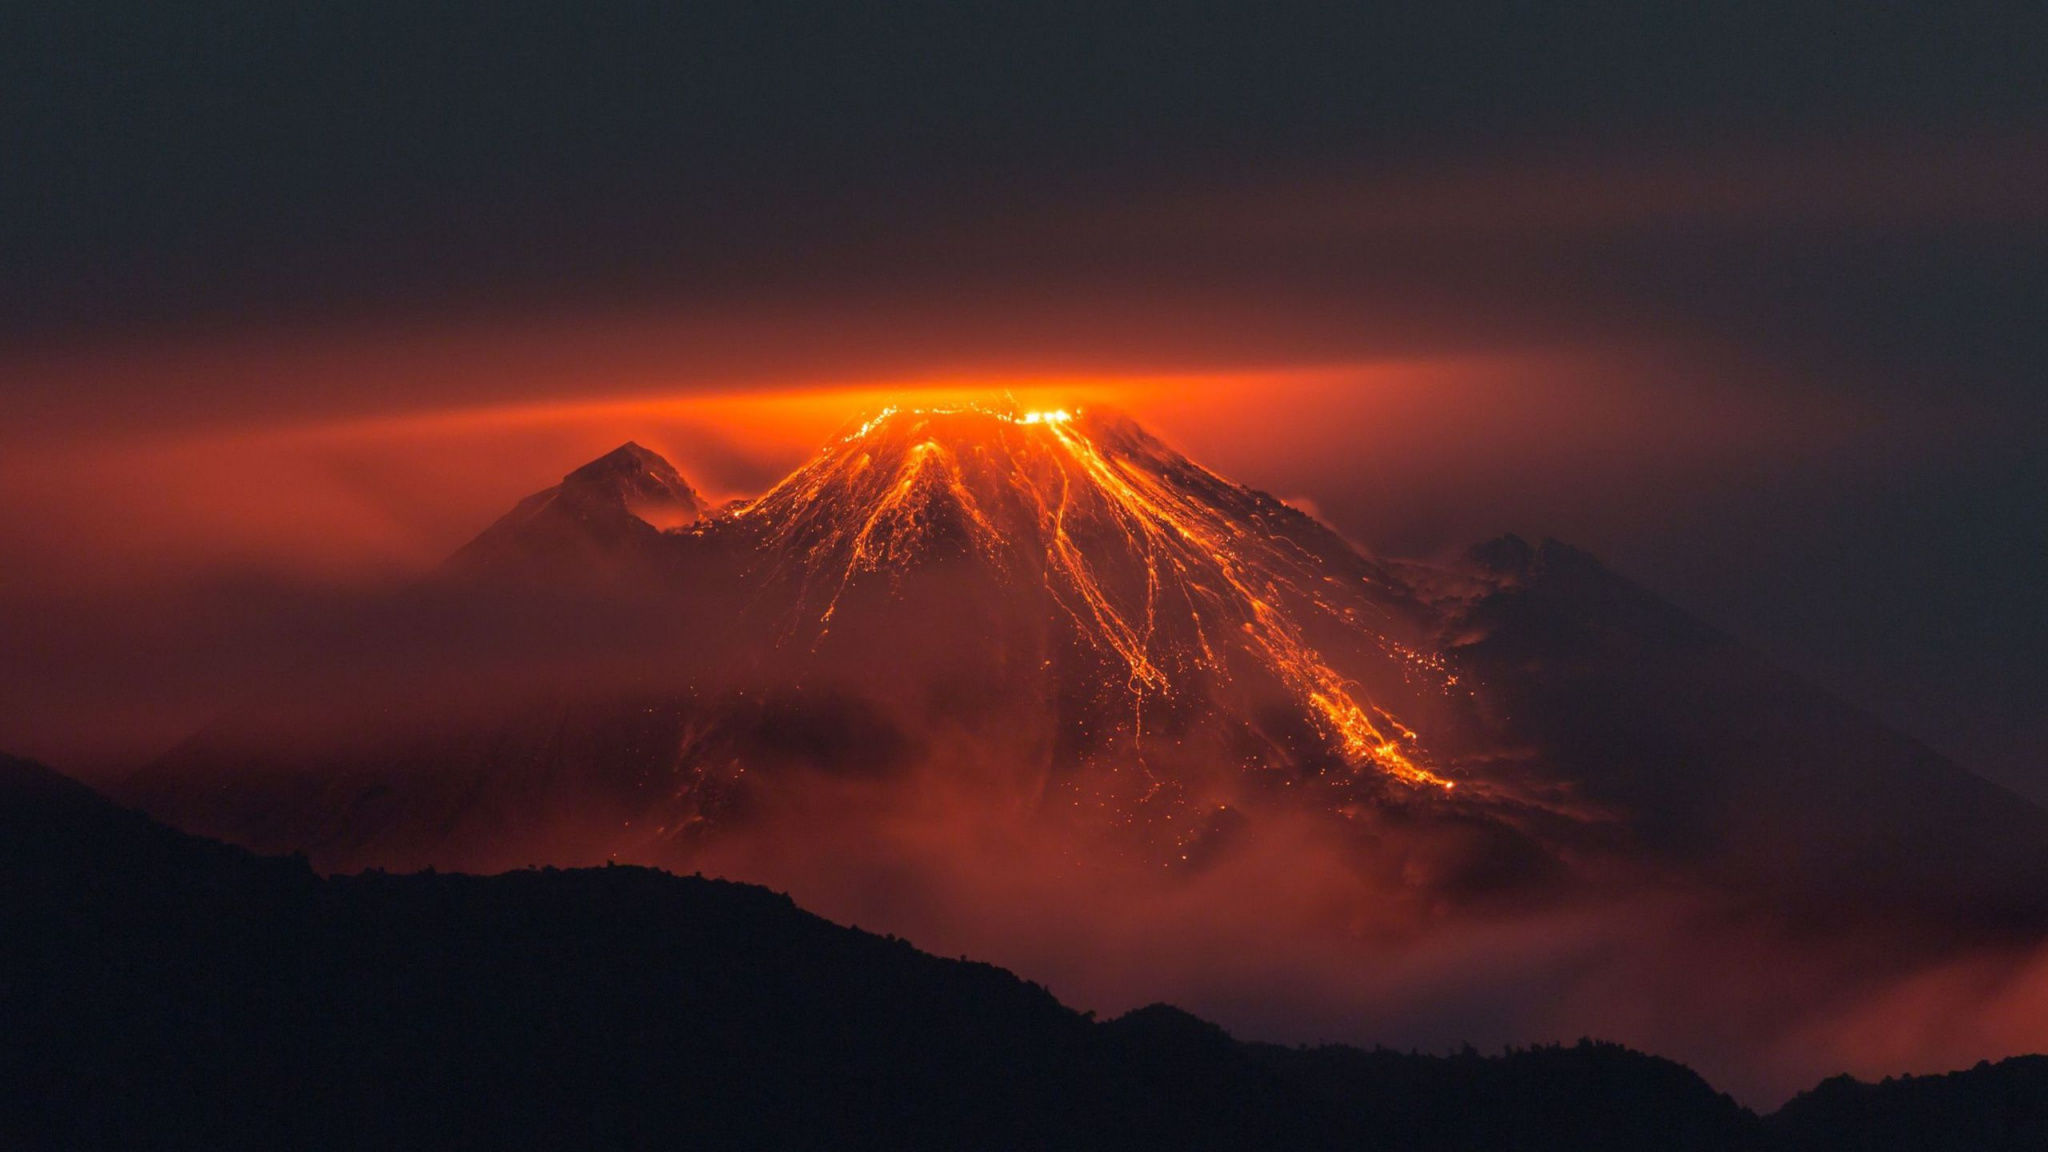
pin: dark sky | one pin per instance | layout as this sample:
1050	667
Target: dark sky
1817	232
167	160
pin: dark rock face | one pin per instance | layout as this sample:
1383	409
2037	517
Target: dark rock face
1736	767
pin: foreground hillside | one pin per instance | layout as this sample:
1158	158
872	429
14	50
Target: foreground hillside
160	990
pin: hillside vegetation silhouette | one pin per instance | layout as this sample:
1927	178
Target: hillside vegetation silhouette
162	990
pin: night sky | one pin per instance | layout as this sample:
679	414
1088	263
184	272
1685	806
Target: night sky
1746	298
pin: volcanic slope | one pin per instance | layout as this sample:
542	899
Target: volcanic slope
1175	589
1064	612
1058	616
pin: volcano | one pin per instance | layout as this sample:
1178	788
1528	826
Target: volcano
1157	585
1061	617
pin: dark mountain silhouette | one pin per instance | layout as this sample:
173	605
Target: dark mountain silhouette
162	990
1091	629
1728	763
1989	1106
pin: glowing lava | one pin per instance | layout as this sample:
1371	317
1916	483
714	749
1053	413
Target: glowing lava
1165	568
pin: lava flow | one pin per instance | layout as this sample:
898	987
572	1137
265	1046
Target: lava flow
1158	564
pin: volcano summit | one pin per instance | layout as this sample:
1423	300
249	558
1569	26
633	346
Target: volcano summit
1169	582
1054	617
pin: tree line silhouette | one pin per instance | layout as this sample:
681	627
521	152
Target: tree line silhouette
161	990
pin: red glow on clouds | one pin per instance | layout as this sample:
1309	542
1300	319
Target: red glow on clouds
165	559
1383	446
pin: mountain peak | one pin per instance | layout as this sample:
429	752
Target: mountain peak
611	503
1506	555
1171	575
628	459
640	480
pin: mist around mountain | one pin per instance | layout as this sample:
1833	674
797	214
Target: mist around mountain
1079	626
162	990
1036	687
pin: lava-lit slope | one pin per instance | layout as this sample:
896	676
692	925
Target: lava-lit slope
1054	610
1166	591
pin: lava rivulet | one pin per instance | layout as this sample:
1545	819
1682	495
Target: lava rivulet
1159	564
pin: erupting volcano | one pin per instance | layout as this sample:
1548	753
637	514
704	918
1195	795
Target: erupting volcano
1176	580
1080	631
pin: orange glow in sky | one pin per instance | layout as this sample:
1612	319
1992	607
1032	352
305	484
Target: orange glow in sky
396	490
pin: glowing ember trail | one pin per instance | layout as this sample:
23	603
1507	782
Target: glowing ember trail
1161	565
